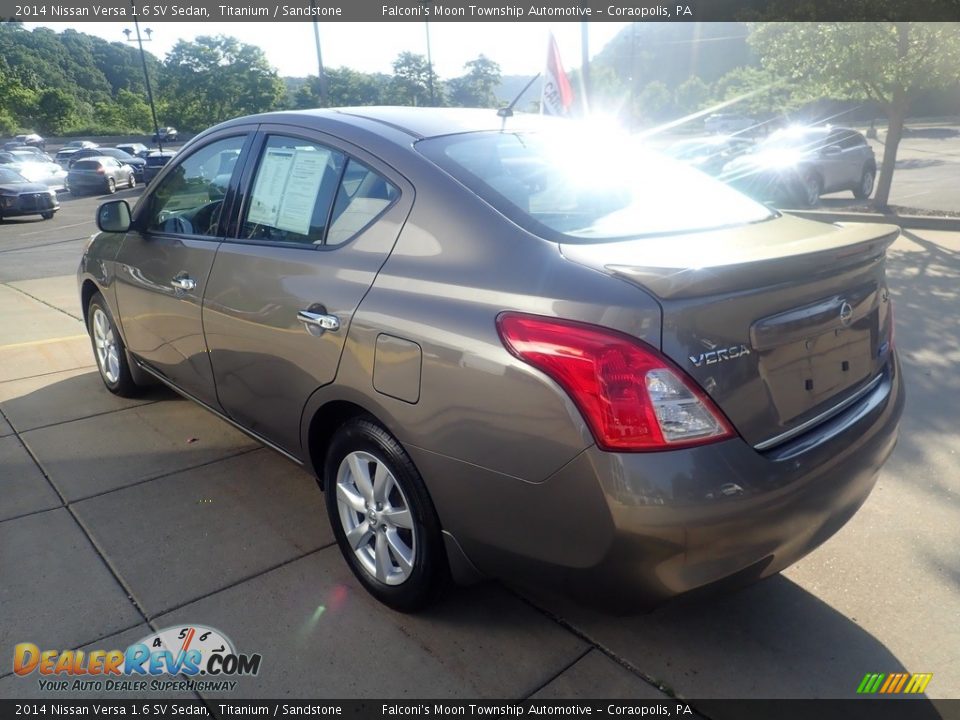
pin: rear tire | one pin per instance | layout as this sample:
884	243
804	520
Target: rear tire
865	189
111	186
382	516
109	350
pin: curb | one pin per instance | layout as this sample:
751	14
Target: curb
907	222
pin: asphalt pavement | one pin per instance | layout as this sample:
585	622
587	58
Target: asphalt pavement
123	517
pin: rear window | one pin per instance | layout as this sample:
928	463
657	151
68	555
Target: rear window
575	185
87	165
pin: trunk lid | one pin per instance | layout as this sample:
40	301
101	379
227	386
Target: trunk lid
781	322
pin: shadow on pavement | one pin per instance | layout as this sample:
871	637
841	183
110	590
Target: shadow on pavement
770	640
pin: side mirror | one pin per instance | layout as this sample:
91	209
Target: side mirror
114	216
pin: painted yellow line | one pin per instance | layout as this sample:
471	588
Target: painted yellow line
41	342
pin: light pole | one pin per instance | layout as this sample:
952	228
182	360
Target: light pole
433	100
321	75
146	77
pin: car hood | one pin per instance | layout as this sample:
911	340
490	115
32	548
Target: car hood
766	160
19	188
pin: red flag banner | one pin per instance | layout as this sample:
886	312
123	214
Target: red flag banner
557	95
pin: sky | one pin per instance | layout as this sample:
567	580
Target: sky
520	48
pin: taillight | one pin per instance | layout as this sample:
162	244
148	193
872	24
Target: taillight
632	398
100	171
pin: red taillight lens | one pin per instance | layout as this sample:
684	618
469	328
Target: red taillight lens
100	170
632	398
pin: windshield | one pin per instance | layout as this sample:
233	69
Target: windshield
588	186
9	176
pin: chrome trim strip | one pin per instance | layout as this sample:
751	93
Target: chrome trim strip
822	417
249	433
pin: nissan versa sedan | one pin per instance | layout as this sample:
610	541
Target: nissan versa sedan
504	351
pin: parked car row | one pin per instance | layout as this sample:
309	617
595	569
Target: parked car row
80	167
794	166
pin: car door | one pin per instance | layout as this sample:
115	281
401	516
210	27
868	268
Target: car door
317	222
831	162
165	260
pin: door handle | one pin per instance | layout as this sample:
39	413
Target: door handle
318	323
184	282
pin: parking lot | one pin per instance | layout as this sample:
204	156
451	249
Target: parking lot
123	517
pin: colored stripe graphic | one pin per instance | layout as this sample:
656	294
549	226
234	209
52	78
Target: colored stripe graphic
894	683
918	683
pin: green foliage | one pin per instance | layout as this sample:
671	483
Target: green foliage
412	80
56	111
692	95
655	102
476	88
859	61
759	92
216	78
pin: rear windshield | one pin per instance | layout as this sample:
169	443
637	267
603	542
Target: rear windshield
157	160
574	185
87	165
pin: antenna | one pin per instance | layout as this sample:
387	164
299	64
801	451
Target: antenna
507	111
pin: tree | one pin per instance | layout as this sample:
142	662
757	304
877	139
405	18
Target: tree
888	63
56	111
345	87
217	78
412	80
654	103
476	87
691	96
758	92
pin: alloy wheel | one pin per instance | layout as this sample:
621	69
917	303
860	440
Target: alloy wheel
105	342
376	518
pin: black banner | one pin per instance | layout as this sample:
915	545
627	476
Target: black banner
74	11
856	709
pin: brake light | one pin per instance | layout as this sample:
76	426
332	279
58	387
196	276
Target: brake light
100	171
632	398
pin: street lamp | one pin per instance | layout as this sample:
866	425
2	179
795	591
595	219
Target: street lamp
146	77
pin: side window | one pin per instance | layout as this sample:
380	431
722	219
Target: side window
190	198
293	191
362	195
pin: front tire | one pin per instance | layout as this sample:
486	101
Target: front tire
109	350
47	215
382	516
133	181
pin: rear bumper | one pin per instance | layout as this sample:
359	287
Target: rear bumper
644	527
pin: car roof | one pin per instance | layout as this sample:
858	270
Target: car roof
417	123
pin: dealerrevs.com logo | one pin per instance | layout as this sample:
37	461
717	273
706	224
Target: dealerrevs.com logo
204	656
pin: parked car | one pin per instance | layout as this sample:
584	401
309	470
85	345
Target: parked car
19	196
154	163
510	347
119	155
31	139
165	134
63	156
35	152
798	165
35	169
136	149
709	154
98	175
728	123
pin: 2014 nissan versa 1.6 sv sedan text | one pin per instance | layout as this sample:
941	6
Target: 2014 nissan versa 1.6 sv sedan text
510	347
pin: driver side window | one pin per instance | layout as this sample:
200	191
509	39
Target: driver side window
189	199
